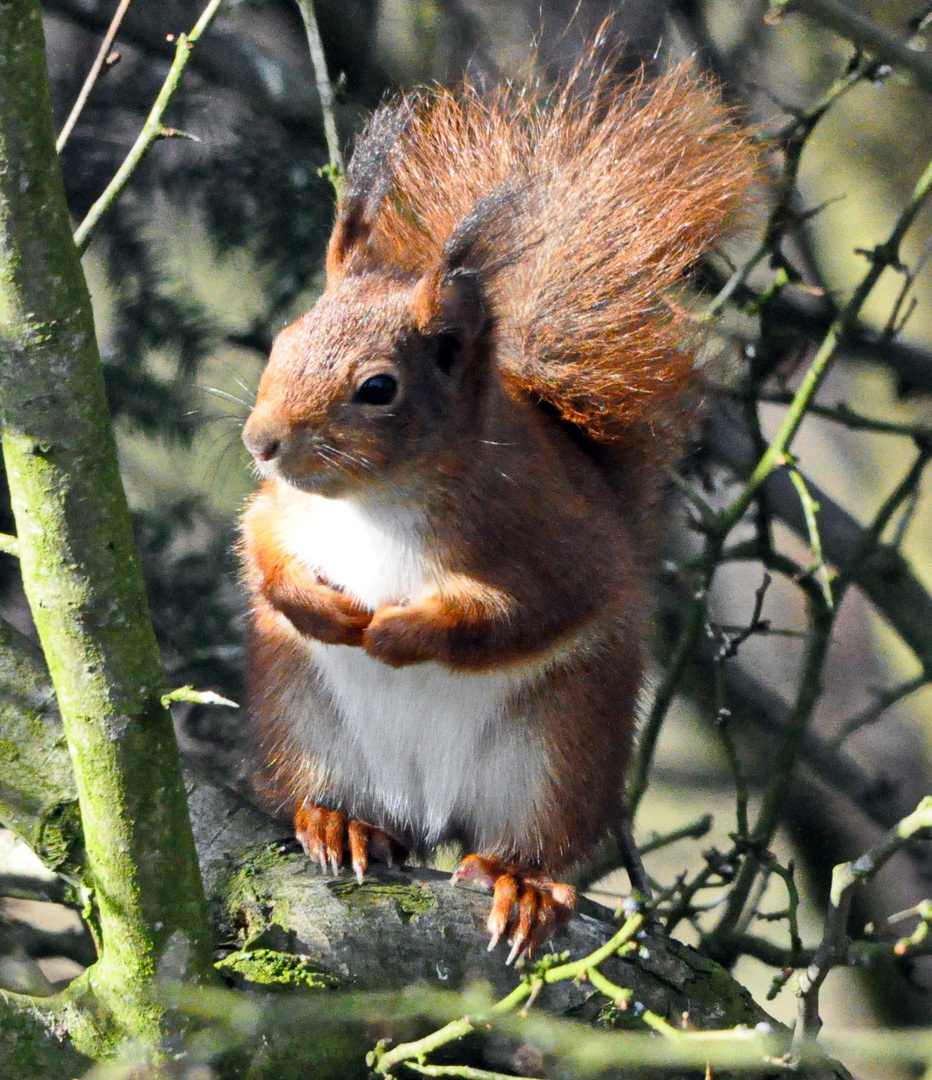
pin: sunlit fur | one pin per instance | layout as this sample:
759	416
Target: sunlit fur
449	594
617	192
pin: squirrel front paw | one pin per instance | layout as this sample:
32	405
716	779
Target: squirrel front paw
529	907
325	613
399	635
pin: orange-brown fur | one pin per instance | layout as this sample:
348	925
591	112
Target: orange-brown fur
648	174
509	265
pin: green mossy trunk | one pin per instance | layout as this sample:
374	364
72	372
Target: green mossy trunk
79	565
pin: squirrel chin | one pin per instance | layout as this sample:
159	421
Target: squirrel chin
327	486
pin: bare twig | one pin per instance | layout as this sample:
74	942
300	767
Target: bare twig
693	831
884	700
152	129
810	509
886	577
650	733
843	414
846	878
335	169
92	75
737	772
871	537
784	760
793	138
881	257
757	625
869	34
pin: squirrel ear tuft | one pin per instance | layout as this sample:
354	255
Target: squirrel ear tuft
351	230
369	177
453	294
451	301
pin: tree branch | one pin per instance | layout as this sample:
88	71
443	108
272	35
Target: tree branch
152	130
227	58
846	879
77	555
886	578
870	35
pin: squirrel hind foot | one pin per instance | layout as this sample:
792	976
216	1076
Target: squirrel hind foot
329	838
527	908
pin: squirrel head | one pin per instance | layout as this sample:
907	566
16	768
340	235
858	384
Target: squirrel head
381	377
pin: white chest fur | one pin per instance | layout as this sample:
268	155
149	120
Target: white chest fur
427	744
375	552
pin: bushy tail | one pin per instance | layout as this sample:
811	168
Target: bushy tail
585	206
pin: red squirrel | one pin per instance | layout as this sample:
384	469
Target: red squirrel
461	447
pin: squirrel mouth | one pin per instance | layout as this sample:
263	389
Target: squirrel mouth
314	477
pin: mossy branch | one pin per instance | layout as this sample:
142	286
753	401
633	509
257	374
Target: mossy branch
79	565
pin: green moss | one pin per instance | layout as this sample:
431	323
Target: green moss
258	864
733	1002
244	896
61	839
409	898
276	970
30	1045
9	752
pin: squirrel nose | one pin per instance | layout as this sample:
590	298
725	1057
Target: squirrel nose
263	436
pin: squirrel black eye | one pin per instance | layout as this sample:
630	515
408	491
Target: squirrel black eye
377	390
448	349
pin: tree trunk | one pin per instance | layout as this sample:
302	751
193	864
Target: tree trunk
79	566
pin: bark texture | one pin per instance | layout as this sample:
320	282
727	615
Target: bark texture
285	927
79	566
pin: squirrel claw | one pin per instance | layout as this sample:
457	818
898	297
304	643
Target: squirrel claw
529	907
328	837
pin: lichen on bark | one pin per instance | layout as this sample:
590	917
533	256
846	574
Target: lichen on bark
80	570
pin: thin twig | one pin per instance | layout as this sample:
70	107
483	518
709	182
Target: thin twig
757	624
647	743
784	760
885	699
819	570
92	76
871	537
795	136
693	831
734	763
846	878
871	35
881	257
152	130
843	414
335	169
383	1061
